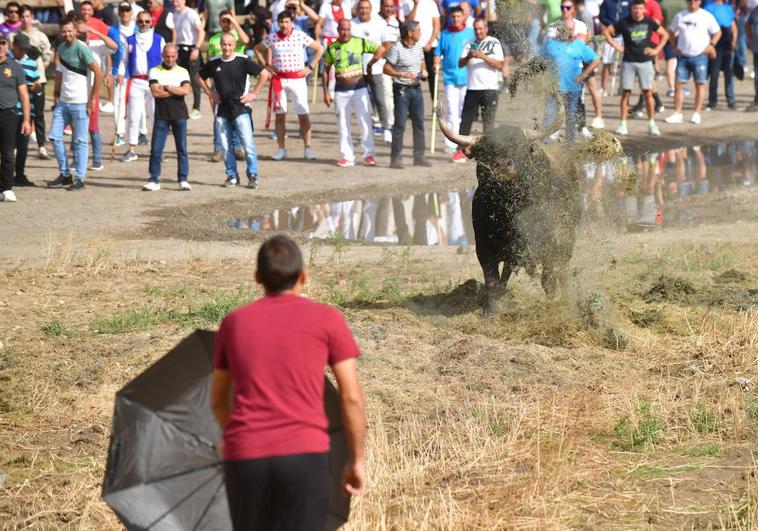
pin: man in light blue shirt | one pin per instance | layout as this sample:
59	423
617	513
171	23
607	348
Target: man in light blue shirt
724	61
449	48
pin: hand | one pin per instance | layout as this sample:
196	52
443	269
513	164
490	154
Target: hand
82	27
220	447
194	54
579	80
227	17
214	98
305	71
26	128
327	99
273	71
424	75
619	48
354	479
650	52
36	87
120	79
677	52
478	54
90	106
108	81
710	51
427	48
248	98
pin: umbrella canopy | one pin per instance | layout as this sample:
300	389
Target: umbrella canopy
163	471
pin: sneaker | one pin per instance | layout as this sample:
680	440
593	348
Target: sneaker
604	93
586	133
195	114
552	139
732	106
129	156
280	154
387	136
151	186
120	140
660	108
309	154
142	140
106	107
686	91
598	123
68	130
636	111
450	149
216	157
670	93
252	181
239	154
60	181
458	157
621	129
397	164
675	118
8	196
231	182
22	180
369	161
184	186
709	108
33	137
42	154
377	130
424	162
97	167
652	129
76	186
695	118
753	107
344	163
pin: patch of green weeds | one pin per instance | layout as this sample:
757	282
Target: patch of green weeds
642	430
709	450
652	472
54	328
703	420
340	244
130	321
221	303
177	291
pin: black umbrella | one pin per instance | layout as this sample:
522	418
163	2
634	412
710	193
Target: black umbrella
163	472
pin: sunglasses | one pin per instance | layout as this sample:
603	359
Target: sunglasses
567	8
11	11
144	22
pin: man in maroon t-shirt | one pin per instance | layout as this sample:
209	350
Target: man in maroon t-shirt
268	397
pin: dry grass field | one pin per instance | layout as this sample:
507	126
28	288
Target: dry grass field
626	403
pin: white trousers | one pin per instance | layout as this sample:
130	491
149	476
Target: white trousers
347	102
389	99
454	96
141	106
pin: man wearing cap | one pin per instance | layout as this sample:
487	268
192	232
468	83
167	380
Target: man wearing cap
21	46
143	51
74	100
12	90
120	33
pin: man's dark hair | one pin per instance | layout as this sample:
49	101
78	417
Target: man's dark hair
70	18
638	2
13	4
86	3
24	9
407	27
279	264
456	9
284	14
224	12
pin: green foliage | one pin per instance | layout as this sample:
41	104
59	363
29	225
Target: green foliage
130	321
642	431
703	420
221	303
652	472
54	328
709	450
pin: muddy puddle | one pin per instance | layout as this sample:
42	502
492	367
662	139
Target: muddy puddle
659	197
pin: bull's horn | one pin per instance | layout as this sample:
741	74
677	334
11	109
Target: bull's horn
447	130
543	132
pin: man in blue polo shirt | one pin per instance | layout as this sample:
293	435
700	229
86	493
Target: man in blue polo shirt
449	48
724	60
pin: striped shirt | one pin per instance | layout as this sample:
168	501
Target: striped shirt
405	59
32	74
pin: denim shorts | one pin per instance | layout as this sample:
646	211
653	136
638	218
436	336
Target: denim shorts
696	65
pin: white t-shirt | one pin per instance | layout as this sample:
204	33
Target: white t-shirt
374	30
276	7
482	76
392	30
426	12
287	54
695	30
185	24
592	7
329	28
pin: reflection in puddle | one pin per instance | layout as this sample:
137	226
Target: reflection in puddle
444	217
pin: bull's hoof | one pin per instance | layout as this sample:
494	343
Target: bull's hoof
490	309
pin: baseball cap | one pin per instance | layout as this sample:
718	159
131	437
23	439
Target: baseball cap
125	6
22	41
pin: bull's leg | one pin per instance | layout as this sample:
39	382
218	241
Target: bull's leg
491	284
549	281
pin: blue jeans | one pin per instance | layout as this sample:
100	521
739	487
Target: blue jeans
409	101
696	65
740	54
570	102
236	142
242	125
160	134
76	115
97	147
724	61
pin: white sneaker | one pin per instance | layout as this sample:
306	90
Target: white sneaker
695	118
151	187
653	129
33	138
552	139
280	154
106	107
598	123
184	186
675	118
621	129
309	154
387	136
586	133
195	115
8	196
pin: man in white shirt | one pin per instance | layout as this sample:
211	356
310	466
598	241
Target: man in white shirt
190	34
427	14
373	28
695	33
390	37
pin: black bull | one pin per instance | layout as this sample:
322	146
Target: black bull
525	209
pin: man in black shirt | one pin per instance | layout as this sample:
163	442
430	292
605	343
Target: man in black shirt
12	90
169	83
636	31
229	73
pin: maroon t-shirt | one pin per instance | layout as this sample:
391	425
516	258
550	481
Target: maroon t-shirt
276	350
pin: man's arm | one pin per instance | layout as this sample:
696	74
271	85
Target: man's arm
45	50
354	422
243	37
312	15
734	35
325	83
378	54
587	71
23	96
435	33
263	76
319	51
610	32
200	39
95	85
221	398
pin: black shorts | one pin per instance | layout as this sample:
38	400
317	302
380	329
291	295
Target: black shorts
289	492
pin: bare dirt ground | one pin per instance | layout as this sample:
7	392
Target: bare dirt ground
629	402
